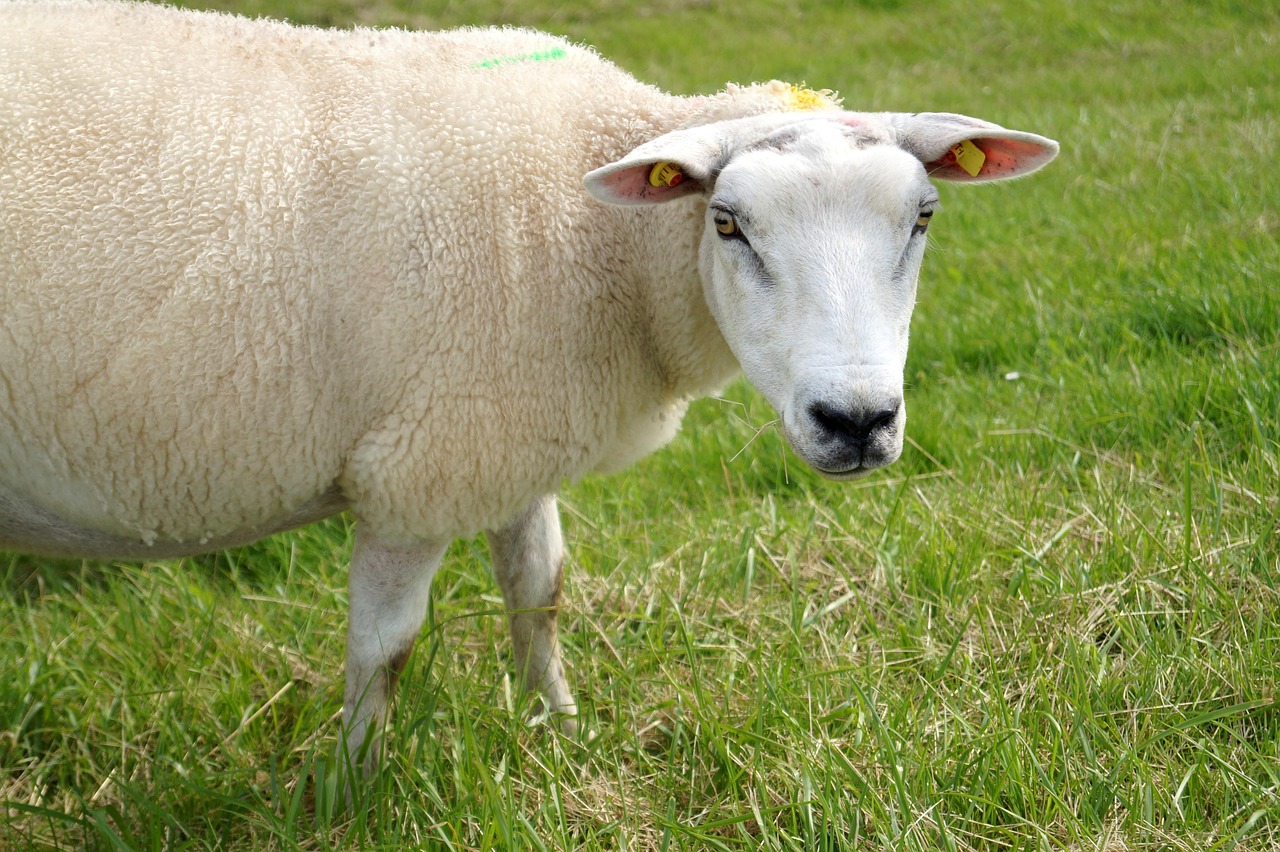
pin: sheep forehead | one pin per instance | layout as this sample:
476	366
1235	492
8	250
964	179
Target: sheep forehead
826	174
846	131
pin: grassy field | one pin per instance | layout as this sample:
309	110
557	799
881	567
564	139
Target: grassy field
1054	625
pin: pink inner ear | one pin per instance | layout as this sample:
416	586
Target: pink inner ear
1005	158
632	184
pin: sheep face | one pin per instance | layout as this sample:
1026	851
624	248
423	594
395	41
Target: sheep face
812	246
813	236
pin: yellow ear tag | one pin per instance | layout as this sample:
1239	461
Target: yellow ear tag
665	174
969	156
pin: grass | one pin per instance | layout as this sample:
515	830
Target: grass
1052	626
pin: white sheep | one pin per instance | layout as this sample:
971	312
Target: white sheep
256	274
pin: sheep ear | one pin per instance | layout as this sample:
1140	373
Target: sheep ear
956	147
672	166
629	183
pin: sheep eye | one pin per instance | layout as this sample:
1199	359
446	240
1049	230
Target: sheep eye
726	224
922	221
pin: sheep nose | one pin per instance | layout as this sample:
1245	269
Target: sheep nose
852	427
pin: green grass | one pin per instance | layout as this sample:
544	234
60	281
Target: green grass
1053	625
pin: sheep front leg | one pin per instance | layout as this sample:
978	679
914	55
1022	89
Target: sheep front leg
388	587
528	561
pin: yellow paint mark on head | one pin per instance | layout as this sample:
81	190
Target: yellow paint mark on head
801	98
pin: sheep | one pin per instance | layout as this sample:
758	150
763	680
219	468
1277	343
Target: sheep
257	274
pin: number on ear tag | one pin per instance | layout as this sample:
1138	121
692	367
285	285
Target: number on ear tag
665	174
969	156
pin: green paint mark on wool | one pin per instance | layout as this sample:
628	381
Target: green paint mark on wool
536	56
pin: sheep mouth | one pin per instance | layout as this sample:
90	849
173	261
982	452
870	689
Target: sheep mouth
846	463
844	475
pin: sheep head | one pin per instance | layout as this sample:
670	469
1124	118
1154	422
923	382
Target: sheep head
813	237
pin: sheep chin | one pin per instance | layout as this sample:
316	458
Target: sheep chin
844	475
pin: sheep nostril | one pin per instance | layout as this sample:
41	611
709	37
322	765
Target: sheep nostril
854	427
883	419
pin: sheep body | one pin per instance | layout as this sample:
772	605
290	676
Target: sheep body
254	273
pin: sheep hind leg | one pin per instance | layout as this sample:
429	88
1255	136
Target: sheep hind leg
528	562
388	587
